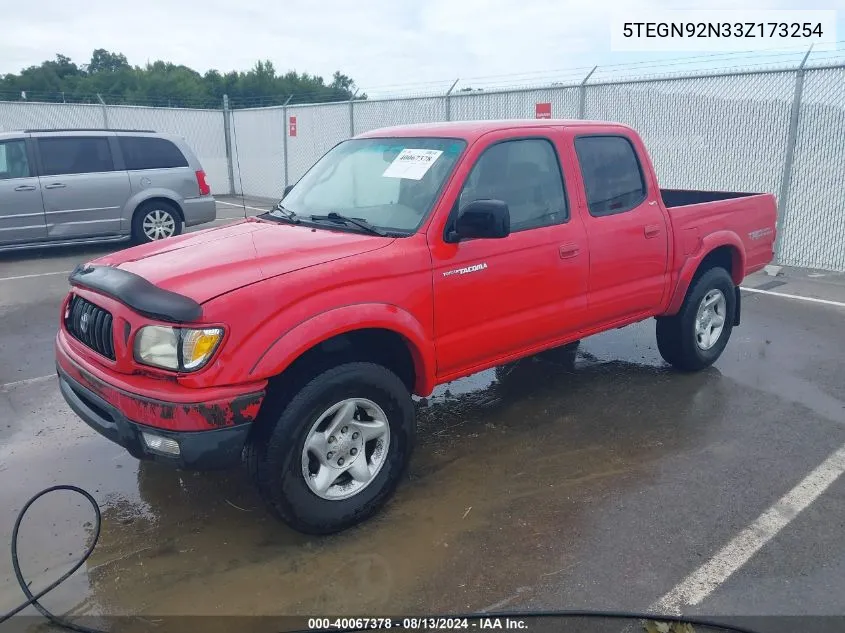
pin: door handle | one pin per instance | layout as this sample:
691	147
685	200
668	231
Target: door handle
651	230
55	185
25	188
569	250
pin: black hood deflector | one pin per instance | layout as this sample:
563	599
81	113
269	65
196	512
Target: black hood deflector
137	293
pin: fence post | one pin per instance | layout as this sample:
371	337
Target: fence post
285	132
448	98
227	137
788	159
352	114
582	93
105	112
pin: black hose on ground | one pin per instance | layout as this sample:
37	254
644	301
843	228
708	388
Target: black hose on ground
33	599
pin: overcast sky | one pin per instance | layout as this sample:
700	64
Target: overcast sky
378	43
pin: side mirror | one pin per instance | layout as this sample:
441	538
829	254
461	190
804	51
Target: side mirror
482	219
287	191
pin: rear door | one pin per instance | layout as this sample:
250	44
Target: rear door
84	192
626	226
21	207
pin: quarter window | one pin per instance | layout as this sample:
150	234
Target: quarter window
150	153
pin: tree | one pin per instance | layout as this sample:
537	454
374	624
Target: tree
162	83
104	61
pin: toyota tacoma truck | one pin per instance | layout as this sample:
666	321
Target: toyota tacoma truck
404	258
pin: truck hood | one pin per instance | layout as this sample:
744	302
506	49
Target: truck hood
209	263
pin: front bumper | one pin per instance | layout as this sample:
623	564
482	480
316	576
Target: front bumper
199	450
210	425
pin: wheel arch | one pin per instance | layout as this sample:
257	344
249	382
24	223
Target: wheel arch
719	250
374	332
148	196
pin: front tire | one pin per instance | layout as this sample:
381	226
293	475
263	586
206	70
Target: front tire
694	338
338	450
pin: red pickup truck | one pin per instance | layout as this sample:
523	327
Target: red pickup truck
405	258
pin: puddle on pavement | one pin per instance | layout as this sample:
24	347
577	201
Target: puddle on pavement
505	463
509	466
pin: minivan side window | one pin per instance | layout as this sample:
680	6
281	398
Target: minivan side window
613	176
526	175
13	160
150	153
75	155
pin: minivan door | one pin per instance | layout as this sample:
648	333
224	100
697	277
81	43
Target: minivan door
84	195
21	207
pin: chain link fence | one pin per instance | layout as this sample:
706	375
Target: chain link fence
814	226
780	131
258	152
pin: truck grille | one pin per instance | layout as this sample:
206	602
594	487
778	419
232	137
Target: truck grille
91	325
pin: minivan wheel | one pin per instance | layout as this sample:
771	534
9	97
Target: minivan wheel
155	221
337	451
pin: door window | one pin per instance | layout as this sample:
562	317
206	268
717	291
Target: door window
75	155
526	175
613	176
13	160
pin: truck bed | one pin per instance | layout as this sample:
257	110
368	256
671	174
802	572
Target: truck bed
683	197
696	215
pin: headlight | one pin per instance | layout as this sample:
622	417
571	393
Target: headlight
180	349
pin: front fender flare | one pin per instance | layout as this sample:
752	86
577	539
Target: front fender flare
297	340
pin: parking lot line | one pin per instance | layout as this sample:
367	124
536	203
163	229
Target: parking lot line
20	383
704	580
55	272
240	206
828	302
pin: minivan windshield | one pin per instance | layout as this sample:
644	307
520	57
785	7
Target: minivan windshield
389	183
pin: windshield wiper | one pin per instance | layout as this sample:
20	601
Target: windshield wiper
363	224
280	213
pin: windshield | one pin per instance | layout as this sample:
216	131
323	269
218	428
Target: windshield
391	183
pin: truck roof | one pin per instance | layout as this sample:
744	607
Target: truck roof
471	130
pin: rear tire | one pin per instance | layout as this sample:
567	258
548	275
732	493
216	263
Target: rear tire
694	338
155	220
362	459
562	355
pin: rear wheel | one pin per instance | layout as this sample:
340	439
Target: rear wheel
695	337
337	451
155	220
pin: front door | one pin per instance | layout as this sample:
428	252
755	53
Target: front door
83	194
21	206
494	297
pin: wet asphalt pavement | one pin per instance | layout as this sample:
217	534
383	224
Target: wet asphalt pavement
596	480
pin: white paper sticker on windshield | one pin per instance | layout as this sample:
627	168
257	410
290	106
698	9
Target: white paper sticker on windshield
412	163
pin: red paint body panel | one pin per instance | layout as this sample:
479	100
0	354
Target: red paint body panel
279	289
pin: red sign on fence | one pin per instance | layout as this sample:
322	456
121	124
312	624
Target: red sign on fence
292	126
543	111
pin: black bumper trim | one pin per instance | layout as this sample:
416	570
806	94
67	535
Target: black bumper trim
200	450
